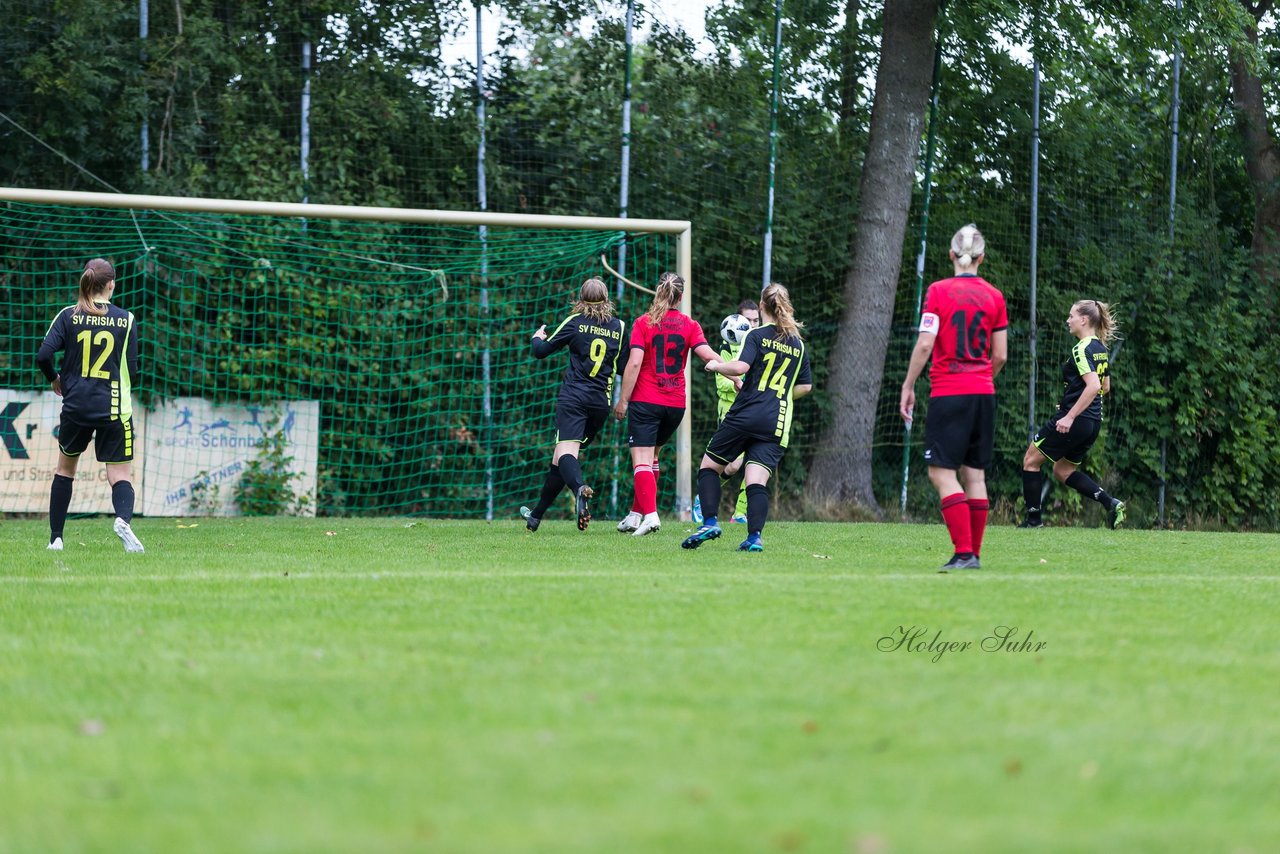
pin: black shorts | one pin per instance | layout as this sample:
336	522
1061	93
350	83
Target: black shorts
960	430
112	440
1071	445
650	425
729	441
578	423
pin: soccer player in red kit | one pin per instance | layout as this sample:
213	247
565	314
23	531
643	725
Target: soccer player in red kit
653	393
964	326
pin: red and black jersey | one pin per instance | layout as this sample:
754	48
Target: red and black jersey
962	312
666	349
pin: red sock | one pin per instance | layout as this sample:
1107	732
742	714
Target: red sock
955	512
978	521
646	490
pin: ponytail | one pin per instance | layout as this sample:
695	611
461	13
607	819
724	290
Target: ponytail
1100	316
670	291
776	302
97	274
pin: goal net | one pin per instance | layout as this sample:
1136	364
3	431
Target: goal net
319	359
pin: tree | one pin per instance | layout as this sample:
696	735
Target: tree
1261	158
841	471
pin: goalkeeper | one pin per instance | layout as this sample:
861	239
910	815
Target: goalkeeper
727	389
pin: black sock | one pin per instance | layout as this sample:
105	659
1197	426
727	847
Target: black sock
122	499
59	501
550	491
757	508
709	493
1032	490
571	472
1086	486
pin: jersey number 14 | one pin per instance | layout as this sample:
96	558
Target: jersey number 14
778	382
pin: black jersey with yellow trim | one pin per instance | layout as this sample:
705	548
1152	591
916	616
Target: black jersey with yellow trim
763	406
593	355
1088	356
99	363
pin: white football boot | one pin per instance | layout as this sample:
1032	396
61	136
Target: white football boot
127	536
648	525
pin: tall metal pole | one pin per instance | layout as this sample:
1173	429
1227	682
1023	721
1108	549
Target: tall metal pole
144	25
930	148
484	274
1032	333
305	133
625	178
773	142
1173	207
623	200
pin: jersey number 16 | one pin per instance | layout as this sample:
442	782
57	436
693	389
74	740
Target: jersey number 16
972	341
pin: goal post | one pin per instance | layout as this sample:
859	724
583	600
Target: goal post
230	278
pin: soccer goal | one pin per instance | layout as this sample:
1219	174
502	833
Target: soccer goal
323	358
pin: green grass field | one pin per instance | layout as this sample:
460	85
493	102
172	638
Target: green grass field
386	685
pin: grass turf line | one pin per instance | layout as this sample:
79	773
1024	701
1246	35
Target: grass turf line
262	685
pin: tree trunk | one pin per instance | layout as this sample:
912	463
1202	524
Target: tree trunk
1261	159
841	470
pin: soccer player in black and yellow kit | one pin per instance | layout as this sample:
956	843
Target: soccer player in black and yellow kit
95	380
1070	433
774	366
594	338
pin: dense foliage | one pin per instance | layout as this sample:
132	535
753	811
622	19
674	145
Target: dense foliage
393	122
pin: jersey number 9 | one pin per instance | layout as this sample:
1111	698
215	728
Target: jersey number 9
598	351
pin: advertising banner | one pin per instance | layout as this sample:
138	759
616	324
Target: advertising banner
197	452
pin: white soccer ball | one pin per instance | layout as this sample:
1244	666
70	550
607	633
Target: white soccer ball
734	329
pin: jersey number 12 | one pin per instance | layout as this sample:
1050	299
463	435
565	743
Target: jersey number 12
108	343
